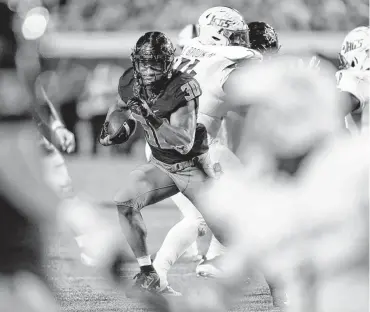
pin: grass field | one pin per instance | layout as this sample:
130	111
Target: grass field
79	289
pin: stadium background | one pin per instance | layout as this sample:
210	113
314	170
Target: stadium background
86	48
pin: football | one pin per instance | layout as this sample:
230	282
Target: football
120	126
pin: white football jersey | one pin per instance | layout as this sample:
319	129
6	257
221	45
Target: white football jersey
356	82
211	66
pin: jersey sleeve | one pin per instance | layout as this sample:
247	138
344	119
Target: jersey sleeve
356	83
125	85
185	90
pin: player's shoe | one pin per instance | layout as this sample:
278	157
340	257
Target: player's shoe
147	282
169	291
208	268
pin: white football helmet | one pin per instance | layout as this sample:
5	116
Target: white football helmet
223	26
355	51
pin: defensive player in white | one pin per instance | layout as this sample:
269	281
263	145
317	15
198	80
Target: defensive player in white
354	77
210	58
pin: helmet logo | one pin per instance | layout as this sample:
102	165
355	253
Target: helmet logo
269	35
219	22
349	46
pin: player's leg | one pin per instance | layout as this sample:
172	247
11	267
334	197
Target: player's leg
181	234
221	153
177	241
145	185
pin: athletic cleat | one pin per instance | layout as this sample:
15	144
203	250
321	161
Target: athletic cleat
208	268
169	291
147	282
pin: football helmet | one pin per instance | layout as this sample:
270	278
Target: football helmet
263	38
152	58
223	26
355	50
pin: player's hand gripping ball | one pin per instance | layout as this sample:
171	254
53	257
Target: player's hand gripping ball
117	128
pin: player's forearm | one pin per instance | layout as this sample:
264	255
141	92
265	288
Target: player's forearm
176	136
44	128
49	107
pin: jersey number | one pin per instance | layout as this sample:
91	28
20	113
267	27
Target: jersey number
186	66
192	89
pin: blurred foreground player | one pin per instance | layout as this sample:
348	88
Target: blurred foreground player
78	214
165	102
28	206
304	218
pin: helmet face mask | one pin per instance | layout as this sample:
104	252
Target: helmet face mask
152	58
239	38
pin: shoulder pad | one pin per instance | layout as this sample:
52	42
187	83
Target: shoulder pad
125	84
183	88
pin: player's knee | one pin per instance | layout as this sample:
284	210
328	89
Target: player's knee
130	217
202	226
196	224
135	188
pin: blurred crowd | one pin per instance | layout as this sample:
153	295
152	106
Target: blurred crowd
114	15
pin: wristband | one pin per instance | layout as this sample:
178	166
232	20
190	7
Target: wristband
155	121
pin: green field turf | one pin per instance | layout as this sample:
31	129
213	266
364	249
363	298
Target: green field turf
79	289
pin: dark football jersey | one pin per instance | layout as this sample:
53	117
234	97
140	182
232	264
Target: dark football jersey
176	93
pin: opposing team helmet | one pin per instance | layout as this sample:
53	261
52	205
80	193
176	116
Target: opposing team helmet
153	51
223	26
355	50
263	38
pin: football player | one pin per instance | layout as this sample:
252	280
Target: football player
211	58
27	204
78	214
165	102
354	77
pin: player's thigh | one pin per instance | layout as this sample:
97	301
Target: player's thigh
145	185
185	206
